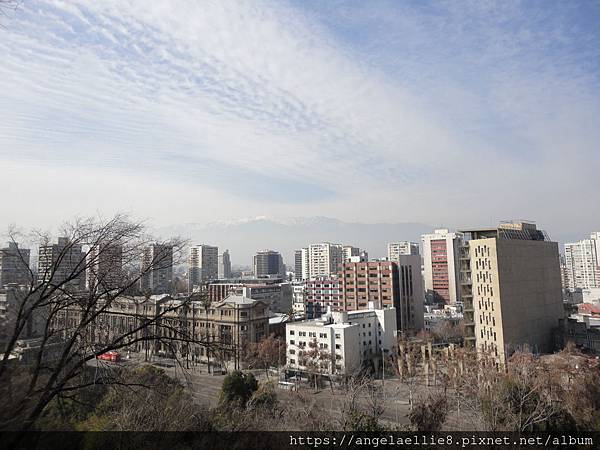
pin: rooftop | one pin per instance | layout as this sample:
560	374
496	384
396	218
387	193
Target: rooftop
239	300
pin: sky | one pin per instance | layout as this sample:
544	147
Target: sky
456	113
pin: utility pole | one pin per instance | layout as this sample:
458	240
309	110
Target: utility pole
383	370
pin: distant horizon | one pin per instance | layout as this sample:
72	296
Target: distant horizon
377	249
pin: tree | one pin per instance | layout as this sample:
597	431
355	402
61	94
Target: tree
316	360
360	416
267	353
446	331
72	322
146	400
238	387
429	413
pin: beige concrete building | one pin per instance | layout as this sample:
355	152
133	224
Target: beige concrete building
176	326
324	259
515	298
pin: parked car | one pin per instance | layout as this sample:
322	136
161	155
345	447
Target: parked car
112	356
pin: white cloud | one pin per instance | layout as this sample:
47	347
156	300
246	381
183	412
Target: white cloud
263	108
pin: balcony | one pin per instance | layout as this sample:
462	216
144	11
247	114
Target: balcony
463	254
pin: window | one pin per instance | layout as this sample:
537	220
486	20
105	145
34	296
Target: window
292	352
292	342
337	336
292	332
292	361
338	347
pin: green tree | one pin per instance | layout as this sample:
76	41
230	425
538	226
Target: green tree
238	387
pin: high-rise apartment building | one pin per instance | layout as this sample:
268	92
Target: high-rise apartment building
14	265
324	259
63	262
441	265
203	265
348	251
305	264
512	294
105	267
157	269
298	264
321	294
582	262
395	249
386	284
268	263
224	265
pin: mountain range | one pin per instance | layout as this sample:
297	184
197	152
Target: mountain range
244	237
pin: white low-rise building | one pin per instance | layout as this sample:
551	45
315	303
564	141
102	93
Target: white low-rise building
433	317
340	342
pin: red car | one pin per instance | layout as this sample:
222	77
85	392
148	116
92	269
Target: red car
111	356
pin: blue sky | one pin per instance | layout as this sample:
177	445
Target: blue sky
457	113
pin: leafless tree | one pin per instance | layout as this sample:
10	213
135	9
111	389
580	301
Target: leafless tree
362	405
446	331
72	321
269	352
316	360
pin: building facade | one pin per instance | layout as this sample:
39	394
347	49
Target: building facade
275	292
340	343
62	263
177	326
324	259
203	265
14	265
322	294
157	269
514	296
395	249
105	268
385	284
305	263
582	263
224	270
348	251
441	265
298	265
268	263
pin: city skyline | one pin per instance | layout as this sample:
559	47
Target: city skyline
458	113
263	222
